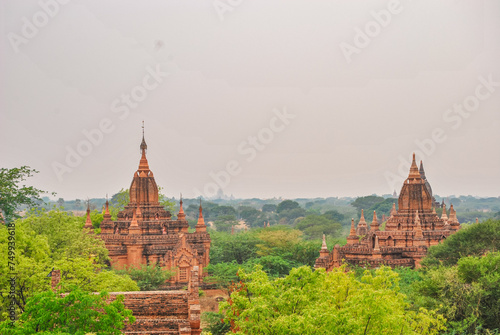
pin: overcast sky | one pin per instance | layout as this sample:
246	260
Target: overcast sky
265	98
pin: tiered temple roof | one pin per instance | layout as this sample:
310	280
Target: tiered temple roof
410	230
145	233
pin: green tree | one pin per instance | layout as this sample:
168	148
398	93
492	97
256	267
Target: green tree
78	204
275	266
271	208
287	205
216	325
316	302
471	240
60	202
383	207
238	247
13	195
65	235
223	274
148	277
225	222
333	215
121	199
78	313
55	239
249	214
467	293
288	244
168	204
289	216
366	202
223	211
314	226
278	241
96	217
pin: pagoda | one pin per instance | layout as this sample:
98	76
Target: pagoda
146	234
409	231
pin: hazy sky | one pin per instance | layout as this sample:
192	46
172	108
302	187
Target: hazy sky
267	98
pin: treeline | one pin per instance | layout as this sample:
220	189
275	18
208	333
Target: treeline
456	291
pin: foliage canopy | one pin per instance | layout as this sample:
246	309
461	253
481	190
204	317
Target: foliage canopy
316	302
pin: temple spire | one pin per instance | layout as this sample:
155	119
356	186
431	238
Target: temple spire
421	170
362	226
393	209
143	164
134	229
323	244
200	226
106	212
88	221
353	229
414	173
453	220
181	215
444	216
374	226
144	146
352	238
362	219
323	252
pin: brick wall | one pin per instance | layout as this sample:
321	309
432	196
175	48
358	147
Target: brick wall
158	312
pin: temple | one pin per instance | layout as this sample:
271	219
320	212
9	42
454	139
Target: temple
409	231
146	233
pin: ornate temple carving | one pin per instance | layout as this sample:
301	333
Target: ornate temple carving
409	231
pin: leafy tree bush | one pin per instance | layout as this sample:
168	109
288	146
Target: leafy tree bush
274	266
78	312
225	222
55	239
216	324
223	274
367	202
383	207
278	240
334	215
287	205
13	195
314	226
471	240
227	248
269	208
223	211
148	277
316	302
289	216
468	293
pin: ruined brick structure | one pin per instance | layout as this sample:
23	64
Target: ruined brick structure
159	312
409	231
145	233
164	312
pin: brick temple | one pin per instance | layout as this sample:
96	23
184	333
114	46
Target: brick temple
409	231
146	233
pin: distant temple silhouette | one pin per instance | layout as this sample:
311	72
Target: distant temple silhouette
145	233
409	231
